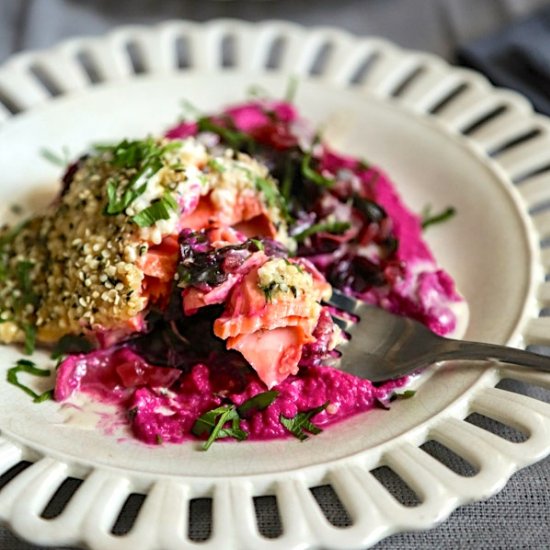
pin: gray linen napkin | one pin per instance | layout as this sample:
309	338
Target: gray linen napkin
517	57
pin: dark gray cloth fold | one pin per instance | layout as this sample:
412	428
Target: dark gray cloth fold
516	57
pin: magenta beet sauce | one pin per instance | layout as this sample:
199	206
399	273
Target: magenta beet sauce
348	221
164	403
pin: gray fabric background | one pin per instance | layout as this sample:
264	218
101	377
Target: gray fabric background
519	516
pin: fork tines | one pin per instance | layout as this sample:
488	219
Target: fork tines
343	302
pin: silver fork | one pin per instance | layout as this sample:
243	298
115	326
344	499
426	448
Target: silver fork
385	346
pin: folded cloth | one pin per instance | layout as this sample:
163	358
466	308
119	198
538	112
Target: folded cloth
516	57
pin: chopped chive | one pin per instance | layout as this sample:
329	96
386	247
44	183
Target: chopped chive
29	367
161	209
52	157
336	228
313	175
432	219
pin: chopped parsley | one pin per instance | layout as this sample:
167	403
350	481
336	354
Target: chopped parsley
336	228
300	425
144	157
138	154
273	198
234	138
225	421
405	395
214	422
259	244
431	219
161	209
269	290
54	158
117	203
259	402
189	111
29	367
71	344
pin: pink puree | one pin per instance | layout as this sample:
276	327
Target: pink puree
164	403
425	292
419	289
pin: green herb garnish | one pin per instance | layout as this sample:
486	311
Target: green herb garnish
143	156
259	402
291	89
138	154
225	421
405	395
269	190
30	338
234	138
116	204
301	423
213	423
258	244
29	367
288	180
272	196
269	290
190	111
160	209
54	158
336	228
431	219
23	273
215	165
71	344
313	175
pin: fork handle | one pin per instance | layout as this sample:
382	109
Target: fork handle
458	349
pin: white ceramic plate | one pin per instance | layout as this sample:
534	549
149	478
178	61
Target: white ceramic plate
444	136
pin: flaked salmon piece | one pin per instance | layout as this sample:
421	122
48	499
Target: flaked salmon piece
274	354
247	214
160	261
203	216
159	266
220	236
224	328
194	298
249	310
270	329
